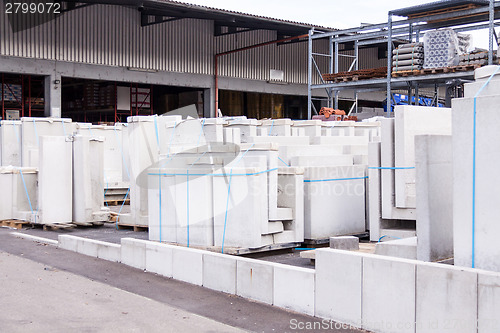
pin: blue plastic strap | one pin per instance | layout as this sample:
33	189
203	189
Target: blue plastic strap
201	131
16	132
474	169
26	190
332	179
227	208
156	130
380	239
123	203
283	162
271	129
391	168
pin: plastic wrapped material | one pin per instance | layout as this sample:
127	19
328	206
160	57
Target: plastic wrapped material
476	57
442	47
408	57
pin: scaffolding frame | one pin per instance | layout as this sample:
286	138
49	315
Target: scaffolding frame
406	31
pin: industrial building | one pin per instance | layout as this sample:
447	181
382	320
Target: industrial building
105	60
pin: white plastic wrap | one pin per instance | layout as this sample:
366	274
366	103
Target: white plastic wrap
441	48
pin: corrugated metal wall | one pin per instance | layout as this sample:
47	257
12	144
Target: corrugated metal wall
112	35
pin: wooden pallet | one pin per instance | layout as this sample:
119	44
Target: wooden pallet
54	226
117	202
443	11
430	71
135	228
362	74
17	224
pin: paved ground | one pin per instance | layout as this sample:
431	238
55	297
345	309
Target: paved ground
81	293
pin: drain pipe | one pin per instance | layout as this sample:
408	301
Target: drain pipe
216	62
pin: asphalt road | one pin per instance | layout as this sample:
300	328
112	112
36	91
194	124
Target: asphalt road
49	289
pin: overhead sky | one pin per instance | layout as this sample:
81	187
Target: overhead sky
338	14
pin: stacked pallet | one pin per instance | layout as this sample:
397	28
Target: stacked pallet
408	57
356	75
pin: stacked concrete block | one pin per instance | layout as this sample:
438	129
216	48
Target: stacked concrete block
276	127
55	178
10	143
213	129
301	281
88	186
247	127
474	210
34	128
434	189
19	192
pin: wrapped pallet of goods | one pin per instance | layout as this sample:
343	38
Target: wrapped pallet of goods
408	57
442	48
476	57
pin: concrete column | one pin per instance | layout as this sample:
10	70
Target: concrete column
52	86
209	103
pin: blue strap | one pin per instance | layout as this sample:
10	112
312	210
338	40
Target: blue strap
332	179
283	162
123	203
380	239
201	131
227	208
26	190
156	130
474	170
271	129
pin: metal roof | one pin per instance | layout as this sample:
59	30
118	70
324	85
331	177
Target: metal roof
221	17
437	5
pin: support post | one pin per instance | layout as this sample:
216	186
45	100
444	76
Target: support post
491	32
52	96
208	104
389	64
309	74
336	69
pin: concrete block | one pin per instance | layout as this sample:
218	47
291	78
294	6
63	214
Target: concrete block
338	294
109	251
446	299
388	294
187	265
273	227
254	280
374	201
434	189
401	248
348	243
159	258
293	288
488	298
219	272
487	247
133	252
68	242
409	122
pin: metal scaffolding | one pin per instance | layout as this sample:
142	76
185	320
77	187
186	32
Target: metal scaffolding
465	18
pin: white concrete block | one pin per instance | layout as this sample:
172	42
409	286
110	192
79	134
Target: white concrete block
219	272
409	122
255	280
487	247
374	201
434	185
294	288
68	242
159	258
133	252
401	248
273	227
55	177
388	294
446	299
10	143
187	265
349	243
109	251
338	293
488	297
